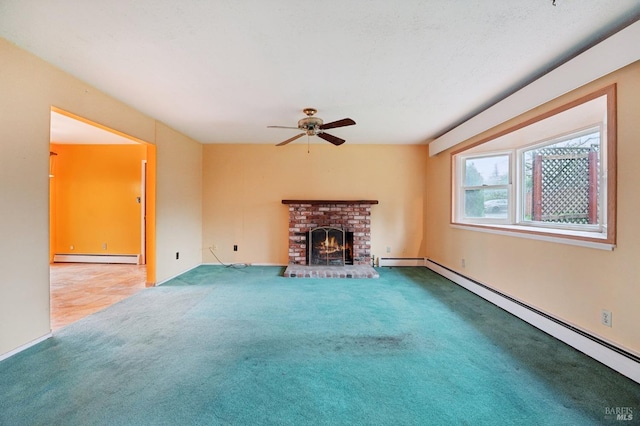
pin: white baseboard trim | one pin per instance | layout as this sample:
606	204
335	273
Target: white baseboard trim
97	258
176	275
401	261
618	359
25	346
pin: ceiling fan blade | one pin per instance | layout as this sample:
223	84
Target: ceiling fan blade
339	123
330	138
281	127
291	139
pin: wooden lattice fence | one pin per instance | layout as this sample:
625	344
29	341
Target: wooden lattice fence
565	186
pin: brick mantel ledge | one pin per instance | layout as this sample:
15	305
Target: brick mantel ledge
329	202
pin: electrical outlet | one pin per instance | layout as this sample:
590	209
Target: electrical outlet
104	246
214	247
235	247
71	247
463	262
607	318
388	249
177	255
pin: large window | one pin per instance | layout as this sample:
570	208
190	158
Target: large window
553	176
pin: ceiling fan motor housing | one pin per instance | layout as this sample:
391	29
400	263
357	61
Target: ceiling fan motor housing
311	125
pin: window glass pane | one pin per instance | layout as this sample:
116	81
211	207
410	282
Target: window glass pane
487	203
561	181
487	171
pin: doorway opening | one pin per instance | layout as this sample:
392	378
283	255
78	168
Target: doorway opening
102	216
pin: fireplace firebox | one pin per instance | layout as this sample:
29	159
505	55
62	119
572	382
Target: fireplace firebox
330	246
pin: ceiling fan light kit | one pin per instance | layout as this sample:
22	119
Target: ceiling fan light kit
314	126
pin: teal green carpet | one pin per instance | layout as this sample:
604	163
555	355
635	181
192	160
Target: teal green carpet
224	346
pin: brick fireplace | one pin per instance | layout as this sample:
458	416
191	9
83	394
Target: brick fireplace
353	216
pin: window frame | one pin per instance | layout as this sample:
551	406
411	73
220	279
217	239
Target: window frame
509	186
602	196
603	237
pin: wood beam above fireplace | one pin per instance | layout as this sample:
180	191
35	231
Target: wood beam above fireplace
315	202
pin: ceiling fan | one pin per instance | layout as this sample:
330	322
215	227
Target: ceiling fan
314	126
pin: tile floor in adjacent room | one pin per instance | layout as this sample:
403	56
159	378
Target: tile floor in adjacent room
81	289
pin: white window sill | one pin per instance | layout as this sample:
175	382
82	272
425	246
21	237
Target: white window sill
575	238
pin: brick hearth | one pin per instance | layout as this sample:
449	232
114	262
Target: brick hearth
314	271
350	215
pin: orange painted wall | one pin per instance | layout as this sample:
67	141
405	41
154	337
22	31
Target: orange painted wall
52	206
151	214
94	198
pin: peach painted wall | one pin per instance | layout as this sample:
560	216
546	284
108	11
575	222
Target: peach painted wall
244	186
571	283
179	201
30	87
96	190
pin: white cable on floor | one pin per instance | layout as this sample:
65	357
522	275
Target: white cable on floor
230	265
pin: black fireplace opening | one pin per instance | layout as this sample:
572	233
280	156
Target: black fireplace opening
330	246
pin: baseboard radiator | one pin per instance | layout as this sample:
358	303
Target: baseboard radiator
400	261
614	357
134	259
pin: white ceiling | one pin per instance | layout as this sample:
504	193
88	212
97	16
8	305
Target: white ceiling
221	71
